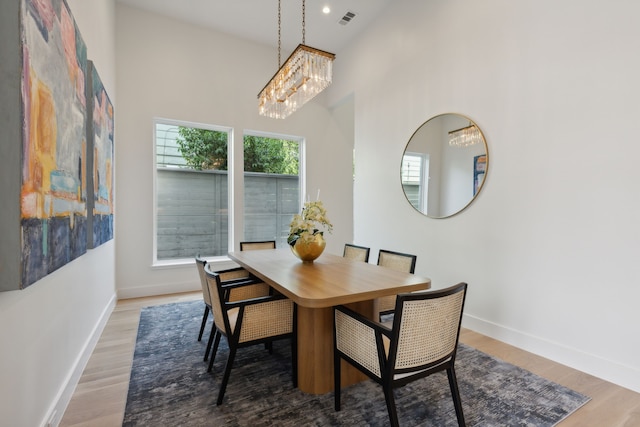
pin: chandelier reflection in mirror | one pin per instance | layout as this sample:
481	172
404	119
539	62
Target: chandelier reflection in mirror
465	137
306	73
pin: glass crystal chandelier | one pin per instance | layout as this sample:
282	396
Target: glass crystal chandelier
465	137
306	73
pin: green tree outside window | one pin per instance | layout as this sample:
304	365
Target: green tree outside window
205	149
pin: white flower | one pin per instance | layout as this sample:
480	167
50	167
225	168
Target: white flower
309	223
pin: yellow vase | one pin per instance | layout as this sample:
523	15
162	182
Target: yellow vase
308	252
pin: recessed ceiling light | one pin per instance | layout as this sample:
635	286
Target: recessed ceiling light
326	10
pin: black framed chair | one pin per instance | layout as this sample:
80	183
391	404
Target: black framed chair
253	288
423	340
248	322
355	252
200	264
251	246
397	261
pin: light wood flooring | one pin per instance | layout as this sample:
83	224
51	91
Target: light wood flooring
100	397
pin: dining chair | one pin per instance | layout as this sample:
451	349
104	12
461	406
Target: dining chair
422	340
355	252
250	246
200	264
397	261
253	288
255	246
248	322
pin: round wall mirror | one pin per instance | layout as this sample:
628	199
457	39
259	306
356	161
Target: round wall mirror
444	165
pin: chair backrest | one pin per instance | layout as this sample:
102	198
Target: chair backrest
397	260
200	264
355	252
426	327
251	246
220	315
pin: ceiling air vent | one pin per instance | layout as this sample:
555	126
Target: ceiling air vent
347	18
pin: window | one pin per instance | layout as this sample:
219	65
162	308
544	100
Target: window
191	190
192	214
271	187
415	179
167	152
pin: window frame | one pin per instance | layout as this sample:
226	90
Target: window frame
235	182
238	221
155	262
423	178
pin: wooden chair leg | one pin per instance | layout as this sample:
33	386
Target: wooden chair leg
391	405
455	393
227	374
205	316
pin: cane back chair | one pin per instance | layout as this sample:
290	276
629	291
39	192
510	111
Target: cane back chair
423	340
253	288
240	275
397	261
355	252
248	322
251	246
200	264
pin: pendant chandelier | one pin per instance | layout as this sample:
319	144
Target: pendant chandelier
306	73
465	137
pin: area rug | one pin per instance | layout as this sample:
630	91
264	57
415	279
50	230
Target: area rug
170	386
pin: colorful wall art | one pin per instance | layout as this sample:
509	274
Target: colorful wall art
53	182
100	128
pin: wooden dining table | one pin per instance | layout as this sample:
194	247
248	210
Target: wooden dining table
316	288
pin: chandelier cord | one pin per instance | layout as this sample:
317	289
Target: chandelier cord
279	42
303	21
306	73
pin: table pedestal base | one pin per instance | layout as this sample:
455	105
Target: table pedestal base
315	349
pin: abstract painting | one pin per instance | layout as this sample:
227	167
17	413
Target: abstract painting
100	128
53	171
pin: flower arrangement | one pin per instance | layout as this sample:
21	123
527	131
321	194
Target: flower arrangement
308	224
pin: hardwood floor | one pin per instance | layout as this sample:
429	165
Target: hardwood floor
100	397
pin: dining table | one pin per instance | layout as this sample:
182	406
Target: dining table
316	287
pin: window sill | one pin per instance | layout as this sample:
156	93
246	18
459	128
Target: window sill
219	263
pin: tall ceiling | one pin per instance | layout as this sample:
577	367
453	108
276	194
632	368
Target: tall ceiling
257	20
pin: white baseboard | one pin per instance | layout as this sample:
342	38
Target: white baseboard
126	292
154	290
608	370
55	413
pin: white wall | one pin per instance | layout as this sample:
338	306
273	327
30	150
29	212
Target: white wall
173	70
49	329
550	248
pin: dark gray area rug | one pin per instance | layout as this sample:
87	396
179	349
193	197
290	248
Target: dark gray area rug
170	386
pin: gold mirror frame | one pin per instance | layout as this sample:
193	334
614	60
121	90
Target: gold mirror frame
444	165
